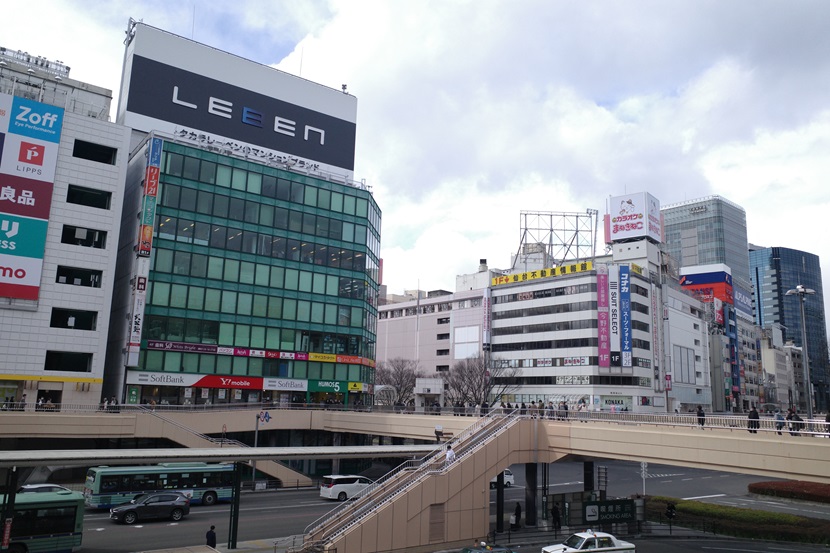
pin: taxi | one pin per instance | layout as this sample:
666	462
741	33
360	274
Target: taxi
589	541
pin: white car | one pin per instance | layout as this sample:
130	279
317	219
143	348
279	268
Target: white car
589	541
343	486
509	480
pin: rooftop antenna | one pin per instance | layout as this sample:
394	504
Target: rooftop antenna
193	24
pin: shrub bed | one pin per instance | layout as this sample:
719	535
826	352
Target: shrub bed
793	489
739	522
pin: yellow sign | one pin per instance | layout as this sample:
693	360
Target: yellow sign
325	357
355	386
544	273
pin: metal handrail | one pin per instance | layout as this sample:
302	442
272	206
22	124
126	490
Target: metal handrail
405	477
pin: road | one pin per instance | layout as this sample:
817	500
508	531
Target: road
287	512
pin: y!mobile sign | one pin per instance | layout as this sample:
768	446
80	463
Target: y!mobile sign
30	133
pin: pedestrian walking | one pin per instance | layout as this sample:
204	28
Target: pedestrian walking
701	416
556	518
450	459
779	421
210	536
754	421
517	515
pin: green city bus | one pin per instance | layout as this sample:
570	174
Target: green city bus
203	483
48	522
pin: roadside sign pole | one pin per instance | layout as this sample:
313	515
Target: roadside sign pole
644	473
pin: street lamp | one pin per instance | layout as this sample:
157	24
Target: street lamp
801	291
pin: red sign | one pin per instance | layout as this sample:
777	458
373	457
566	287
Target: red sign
7	533
145	241
668	382
151	181
26	197
31	153
218	381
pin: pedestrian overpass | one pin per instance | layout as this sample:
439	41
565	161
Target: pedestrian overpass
426	503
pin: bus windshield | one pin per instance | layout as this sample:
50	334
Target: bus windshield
49	521
204	483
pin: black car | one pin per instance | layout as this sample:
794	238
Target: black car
172	505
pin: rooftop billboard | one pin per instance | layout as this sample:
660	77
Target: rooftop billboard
186	89
633	216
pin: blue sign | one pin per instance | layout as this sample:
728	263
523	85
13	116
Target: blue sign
155	152
625	315
36	120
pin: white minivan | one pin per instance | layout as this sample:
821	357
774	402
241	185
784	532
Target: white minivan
343	486
508	479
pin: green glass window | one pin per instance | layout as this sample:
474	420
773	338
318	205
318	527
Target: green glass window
213	299
178	297
354	373
175	163
337	202
280	218
198	265
240	176
349	205
204	204
175	329
210	332
287	339
164	260
255	183
331	314
258	337
348	232
357	316
196	298
269	186
275	308
240	365
207	364
207	172
215	267
292	278
362	209
192	331
181	263
303	311
190	362
332	285
273	338
262	275
226	334
315	370
305	281
289	309
317	309
223	175
161	291
153	359
228	301
266	215
327	371
243	336
223	364
319	285
297	192
187	200
324	199
277	277
231	270
260	306
295	221
244	304
309	223
172	361
221	204
283	189
255	366
311	196
246	272
191	168
343	315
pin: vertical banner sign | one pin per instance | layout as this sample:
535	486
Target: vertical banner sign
30	135
145	246
148	205
625	315
485	340
656	346
614	313
603	322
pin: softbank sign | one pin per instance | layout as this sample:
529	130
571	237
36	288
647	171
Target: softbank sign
30	133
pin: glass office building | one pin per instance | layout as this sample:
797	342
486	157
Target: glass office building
259	275
776	270
707	231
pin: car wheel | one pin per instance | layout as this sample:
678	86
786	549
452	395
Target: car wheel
209	499
342	496
507	484
130	517
177	515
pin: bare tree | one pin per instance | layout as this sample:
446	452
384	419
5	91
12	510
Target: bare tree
473	381
400	374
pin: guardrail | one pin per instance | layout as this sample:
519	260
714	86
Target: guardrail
401	479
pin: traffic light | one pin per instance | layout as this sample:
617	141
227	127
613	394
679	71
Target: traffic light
671	512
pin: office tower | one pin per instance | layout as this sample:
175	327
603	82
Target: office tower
775	271
61	182
248	265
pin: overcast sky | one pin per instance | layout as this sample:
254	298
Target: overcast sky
470	112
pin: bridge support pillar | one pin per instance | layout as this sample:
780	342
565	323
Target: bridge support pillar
531	489
336	440
500	502
588	476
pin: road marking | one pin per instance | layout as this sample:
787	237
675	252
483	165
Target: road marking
703	497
